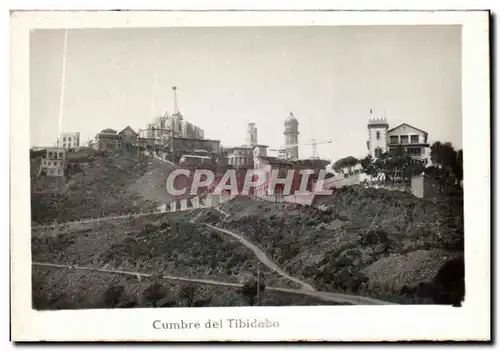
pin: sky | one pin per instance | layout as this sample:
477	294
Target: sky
329	77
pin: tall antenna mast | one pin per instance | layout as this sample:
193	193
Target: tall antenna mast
63	81
176	109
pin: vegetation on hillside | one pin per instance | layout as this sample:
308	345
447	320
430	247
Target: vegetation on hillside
59	289
94	188
334	248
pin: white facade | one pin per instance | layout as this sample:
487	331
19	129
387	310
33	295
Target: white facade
54	162
69	140
239	156
412	139
377	136
252	134
292	137
382	139
162	128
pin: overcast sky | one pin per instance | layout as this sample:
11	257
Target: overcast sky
329	77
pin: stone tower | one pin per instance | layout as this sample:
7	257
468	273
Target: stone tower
252	134
377	136
292	137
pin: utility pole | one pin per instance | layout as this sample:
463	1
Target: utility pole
258	283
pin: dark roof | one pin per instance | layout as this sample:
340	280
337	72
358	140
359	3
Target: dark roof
406	124
108	131
179	138
128	127
274	160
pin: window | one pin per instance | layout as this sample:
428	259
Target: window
378	152
64	139
61	155
50	154
414	139
404	139
378	135
415	151
48	163
393	139
69	145
64	145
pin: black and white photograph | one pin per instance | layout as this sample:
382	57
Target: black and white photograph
246	166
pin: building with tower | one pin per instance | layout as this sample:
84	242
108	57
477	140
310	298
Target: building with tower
165	127
377	136
381	139
252	134
243	156
292	137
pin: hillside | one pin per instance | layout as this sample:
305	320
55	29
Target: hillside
368	241
96	186
59	289
166	244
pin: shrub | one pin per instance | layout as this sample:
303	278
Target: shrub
113	295
154	293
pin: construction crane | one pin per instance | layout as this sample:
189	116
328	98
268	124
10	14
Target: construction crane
282	151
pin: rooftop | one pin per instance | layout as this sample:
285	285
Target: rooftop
108	131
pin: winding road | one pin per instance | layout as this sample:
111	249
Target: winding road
261	255
325	296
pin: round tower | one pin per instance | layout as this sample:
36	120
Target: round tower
377	136
251	134
292	137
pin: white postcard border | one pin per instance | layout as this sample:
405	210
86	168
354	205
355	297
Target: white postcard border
296	323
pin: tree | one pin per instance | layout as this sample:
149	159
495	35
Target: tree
113	295
154	293
188	292
250	288
348	162
366	162
412	170
374	238
447	159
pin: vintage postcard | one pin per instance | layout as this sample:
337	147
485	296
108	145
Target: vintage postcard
271	176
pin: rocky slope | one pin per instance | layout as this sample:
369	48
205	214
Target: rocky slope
367	241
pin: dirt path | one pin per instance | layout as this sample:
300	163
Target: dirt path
261	255
325	296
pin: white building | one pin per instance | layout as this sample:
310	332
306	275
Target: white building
165	126
53	162
292	137
69	140
412	139
381	139
252	134
377	136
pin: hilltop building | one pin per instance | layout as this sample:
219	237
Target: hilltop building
53	162
243	156
292	137
252	134
69	140
381	139
166	126
110	139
